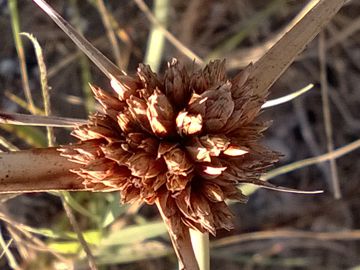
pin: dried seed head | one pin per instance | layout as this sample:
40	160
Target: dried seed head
176	81
160	114
184	141
188	124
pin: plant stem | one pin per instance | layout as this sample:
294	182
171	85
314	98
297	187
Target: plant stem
156	41
15	24
106	19
180	238
327	115
37	170
201	246
80	236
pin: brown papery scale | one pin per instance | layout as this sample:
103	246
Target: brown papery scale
184	140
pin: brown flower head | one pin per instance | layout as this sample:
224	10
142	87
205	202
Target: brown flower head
184	141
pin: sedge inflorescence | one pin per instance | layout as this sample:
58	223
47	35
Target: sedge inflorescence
184	140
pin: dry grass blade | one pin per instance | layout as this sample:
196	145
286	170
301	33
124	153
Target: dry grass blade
109	31
270	67
101	61
19	175
327	116
322	236
75	225
7	252
21	102
44	84
287	190
39	120
311	161
4	246
27	239
8	145
287	98
351	29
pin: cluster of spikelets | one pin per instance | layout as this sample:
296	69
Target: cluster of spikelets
184	140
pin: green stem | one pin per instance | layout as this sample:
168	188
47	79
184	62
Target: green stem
156	39
201	246
15	25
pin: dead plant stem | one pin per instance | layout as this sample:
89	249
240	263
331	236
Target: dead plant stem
327	116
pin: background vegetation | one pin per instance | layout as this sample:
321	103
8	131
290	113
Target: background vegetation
273	230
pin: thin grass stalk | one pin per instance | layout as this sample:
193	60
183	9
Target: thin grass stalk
106	19
22	103
39	120
7	252
15	24
349	235
345	33
77	206
177	43
314	160
327	116
44	85
75	225
7	144
286	98
21	246
5	246
156	40
112	27
84	65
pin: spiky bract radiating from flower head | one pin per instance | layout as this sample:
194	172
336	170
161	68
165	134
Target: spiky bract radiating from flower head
184	140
